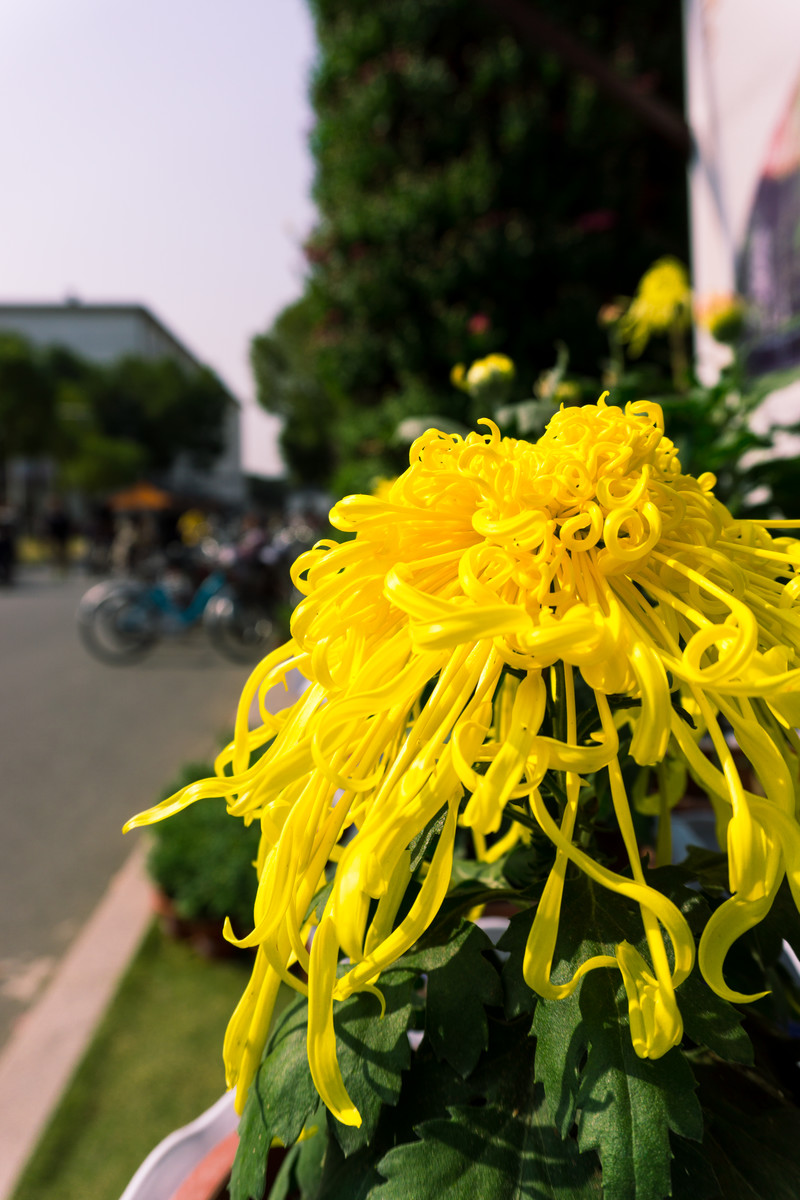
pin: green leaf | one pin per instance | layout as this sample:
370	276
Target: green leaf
782	923
693	1177
488	875
460	982
373	1052
504	1149
471	884
708	867
708	1020
560	1049
280	1102
419	845
752	1136
311	1155
346	1178
490	1153
318	902
624	1106
627	1104
518	997
526	867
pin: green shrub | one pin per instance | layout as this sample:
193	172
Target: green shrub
203	861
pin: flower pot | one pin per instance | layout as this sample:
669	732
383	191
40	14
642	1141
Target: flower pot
204	936
195	1162
175	1160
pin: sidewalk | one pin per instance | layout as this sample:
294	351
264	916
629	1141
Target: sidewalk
49	1041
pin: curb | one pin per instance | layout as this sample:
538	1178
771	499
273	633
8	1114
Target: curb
50	1039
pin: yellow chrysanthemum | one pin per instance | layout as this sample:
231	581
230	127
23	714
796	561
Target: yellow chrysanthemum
381	487
492	575
489	369
662	302
458	376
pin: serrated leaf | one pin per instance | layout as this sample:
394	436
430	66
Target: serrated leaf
460	983
624	1106
627	1104
490	1153
373	1052
280	1102
431	1087
500	1150
710	1021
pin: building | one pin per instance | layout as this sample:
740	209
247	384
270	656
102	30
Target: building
103	333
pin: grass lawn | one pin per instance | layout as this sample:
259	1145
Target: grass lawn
155	1064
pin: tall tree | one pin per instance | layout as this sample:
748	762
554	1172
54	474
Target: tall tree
105	425
289	386
163	407
27	399
477	192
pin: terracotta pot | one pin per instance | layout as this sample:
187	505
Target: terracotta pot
194	1163
205	937
210	1177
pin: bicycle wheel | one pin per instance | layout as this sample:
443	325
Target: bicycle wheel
241	631
116	624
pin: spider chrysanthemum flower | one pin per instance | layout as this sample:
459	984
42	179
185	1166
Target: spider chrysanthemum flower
495	574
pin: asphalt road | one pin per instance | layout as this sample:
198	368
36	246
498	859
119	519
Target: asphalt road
83	746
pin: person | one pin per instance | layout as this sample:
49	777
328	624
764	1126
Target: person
125	545
100	540
59	531
8	547
253	537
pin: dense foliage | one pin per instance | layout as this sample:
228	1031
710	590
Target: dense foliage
475	194
203	861
510	1096
105	424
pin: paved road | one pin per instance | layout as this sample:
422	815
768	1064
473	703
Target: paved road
82	747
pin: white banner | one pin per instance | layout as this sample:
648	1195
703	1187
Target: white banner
743	99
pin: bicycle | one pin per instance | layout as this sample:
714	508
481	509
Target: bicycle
122	620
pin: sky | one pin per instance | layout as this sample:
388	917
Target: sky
156	151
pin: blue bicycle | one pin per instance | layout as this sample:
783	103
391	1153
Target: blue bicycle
121	620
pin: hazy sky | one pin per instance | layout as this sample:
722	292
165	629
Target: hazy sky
156	151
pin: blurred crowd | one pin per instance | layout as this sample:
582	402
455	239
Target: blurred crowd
146	544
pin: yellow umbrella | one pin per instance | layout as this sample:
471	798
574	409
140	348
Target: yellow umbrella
141	497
